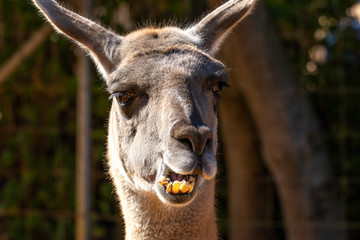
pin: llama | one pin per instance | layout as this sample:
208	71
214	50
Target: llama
162	136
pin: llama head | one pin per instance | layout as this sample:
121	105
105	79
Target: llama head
164	85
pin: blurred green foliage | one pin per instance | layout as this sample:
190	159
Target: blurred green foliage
38	109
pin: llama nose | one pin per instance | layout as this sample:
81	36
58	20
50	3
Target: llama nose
196	138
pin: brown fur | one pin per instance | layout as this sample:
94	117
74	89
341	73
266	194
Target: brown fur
167	120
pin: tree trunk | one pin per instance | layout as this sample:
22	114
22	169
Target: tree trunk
291	143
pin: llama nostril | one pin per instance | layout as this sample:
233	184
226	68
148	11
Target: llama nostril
208	142
195	138
186	142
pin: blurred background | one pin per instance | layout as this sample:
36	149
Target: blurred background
289	125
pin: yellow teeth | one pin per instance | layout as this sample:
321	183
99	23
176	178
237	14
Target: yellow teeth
163	183
191	179
184	187
169	188
191	186
176	187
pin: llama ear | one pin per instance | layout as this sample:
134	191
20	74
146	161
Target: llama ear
100	42
213	28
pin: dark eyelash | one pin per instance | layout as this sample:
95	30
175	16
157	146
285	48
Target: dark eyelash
115	94
224	84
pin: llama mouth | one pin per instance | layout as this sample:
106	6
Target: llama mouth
178	189
176	184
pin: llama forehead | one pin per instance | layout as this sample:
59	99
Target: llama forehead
149	38
166	67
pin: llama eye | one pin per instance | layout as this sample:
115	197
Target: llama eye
123	98
218	88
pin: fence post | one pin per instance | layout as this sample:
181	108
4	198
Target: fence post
83	140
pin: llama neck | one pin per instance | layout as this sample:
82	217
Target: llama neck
146	217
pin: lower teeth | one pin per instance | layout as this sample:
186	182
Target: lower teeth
177	187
